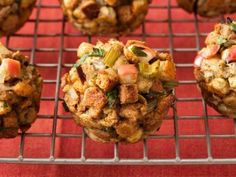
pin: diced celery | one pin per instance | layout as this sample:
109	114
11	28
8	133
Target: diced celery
112	55
149	70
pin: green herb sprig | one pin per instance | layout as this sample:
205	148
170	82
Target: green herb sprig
138	51
5	104
112	97
170	84
97	52
220	40
231	23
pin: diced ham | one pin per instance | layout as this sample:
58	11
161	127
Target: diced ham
213	49
232	54
229	54
12	67
198	61
208	52
128	73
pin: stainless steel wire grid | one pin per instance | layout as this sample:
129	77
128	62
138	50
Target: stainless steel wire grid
192	133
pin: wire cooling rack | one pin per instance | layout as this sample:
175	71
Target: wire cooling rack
192	133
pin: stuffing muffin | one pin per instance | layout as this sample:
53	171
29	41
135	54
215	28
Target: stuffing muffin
13	14
20	90
117	92
208	8
215	69
105	16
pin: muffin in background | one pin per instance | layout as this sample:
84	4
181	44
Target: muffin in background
215	69
20	91
114	17
13	15
208	8
117	92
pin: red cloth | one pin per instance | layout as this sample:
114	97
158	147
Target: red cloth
39	147
116	171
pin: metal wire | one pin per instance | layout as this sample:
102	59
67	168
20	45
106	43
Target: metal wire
116	159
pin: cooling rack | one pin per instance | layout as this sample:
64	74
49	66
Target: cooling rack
192	133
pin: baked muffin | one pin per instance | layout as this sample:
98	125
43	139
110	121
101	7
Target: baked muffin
105	16
208	8
20	90
13	14
118	92
215	69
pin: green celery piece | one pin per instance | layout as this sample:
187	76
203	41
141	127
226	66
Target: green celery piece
149	70
112	55
221	40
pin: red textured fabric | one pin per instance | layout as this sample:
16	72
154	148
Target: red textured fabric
116	171
39	147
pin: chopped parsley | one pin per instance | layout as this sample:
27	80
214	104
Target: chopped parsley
5	104
151	99
231	23
170	84
224	43
112	97
81	61
163	93
97	52
138	51
233	26
151	105
221	40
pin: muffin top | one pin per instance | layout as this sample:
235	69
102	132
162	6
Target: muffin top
13	14
208	8
105	16
215	68
122	90
218	58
